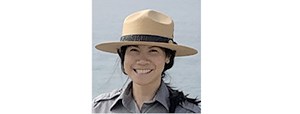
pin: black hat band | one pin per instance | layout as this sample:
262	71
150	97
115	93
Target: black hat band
147	38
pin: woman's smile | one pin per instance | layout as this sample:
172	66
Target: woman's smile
142	71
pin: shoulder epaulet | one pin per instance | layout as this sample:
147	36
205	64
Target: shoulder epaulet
107	96
190	106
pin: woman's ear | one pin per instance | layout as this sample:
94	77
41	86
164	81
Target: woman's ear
167	60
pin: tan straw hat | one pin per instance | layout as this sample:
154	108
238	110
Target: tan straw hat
147	27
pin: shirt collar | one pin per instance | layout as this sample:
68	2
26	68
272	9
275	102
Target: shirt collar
128	101
162	96
125	98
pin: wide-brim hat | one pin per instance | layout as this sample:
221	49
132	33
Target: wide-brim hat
147	27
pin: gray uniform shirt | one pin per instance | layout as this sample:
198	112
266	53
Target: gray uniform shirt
121	101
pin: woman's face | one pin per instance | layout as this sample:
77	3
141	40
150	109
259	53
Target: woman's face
144	64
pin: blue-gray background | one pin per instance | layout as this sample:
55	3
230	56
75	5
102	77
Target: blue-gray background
108	16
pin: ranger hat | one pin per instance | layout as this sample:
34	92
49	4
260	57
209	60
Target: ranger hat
147	27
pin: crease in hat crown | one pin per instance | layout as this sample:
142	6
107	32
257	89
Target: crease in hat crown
148	22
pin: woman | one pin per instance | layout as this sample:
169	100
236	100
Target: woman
146	50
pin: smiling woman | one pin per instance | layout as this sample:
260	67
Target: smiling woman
147	49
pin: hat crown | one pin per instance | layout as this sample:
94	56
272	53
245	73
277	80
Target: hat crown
148	22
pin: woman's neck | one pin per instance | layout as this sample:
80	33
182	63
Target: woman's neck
142	93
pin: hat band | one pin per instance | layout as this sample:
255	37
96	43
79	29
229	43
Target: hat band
147	38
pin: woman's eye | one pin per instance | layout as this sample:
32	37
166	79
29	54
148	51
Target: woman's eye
133	50
153	50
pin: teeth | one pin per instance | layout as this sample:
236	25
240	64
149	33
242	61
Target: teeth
143	71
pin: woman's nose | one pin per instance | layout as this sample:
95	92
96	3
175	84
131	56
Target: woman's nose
142	60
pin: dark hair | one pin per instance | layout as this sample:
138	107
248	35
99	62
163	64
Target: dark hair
176	97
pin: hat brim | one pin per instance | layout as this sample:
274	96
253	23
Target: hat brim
112	47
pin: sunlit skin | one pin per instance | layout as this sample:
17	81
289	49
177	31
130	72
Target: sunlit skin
144	65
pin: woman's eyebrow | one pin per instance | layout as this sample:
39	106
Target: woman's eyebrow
153	47
134	46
